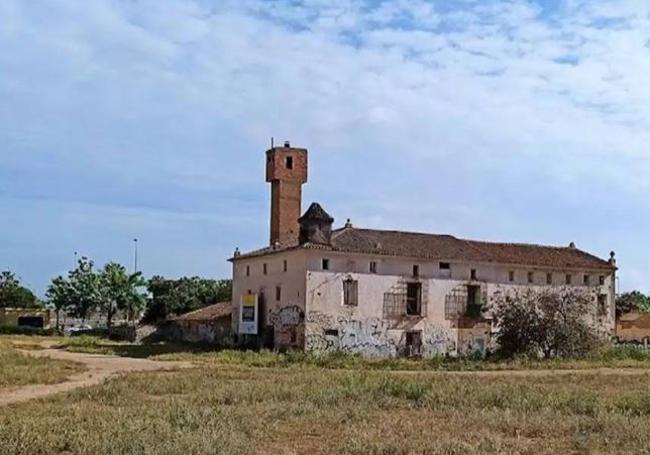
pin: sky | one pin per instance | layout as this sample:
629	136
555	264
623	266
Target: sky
516	121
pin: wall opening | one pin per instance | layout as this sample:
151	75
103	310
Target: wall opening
413	299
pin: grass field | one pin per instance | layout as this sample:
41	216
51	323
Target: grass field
228	405
17	368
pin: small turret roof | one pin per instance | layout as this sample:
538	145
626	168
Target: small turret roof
316	212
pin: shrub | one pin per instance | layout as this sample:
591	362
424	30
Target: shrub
23	330
548	323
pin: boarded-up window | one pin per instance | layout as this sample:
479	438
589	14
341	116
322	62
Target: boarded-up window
350	292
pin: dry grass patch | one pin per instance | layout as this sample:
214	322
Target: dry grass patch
18	368
237	409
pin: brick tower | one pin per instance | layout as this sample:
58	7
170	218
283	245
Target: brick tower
286	170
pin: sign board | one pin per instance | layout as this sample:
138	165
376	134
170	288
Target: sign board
248	310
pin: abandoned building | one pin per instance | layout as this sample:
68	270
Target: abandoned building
387	293
210	325
37	318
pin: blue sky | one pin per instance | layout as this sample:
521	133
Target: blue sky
500	120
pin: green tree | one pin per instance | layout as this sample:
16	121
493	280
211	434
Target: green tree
85	289
632	301
551	323
121	292
173	297
13	294
59	297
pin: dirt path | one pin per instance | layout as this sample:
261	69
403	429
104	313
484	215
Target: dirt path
98	369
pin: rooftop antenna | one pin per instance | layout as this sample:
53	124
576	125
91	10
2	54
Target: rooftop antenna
271	141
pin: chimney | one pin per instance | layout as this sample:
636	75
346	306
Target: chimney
286	171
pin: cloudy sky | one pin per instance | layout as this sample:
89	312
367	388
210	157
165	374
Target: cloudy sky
522	121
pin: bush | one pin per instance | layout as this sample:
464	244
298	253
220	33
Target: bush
24	330
547	323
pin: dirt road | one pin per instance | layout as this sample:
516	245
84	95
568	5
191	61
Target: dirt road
98	369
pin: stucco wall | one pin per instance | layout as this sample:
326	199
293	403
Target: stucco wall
311	314
286	315
364	329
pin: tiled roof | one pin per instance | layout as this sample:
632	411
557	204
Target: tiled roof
316	212
448	248
208	313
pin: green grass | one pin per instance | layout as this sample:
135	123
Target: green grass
236	409
17	368
616	357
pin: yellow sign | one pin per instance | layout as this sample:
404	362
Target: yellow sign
249	300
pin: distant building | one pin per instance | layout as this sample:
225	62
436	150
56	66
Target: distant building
387	293
211	324
25	317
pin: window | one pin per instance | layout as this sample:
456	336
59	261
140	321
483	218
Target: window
264	268
531	277
248	270
602	304
472	274
473	301
278	293
325	265
414	299
585	280
601	280
511	276
549	278
350	292
373	267
289	162
567	278
444	266
331	332
416	270
284	265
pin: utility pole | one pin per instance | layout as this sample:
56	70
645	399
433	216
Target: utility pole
135	255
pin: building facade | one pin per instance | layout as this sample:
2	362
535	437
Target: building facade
389	293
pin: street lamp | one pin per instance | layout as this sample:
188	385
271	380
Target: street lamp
135	255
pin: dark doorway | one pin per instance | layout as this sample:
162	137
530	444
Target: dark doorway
414	344
31	321
413	299
269	337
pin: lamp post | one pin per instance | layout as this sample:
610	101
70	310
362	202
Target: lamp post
135	255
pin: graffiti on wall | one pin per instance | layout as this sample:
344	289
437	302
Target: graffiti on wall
370	336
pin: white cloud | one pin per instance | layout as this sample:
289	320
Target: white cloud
465	104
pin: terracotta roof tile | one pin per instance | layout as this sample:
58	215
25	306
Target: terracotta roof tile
208	313
447	247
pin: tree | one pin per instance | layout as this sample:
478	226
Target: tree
120	292
85	289
632	301
59	297
553	323
13	294
173	297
